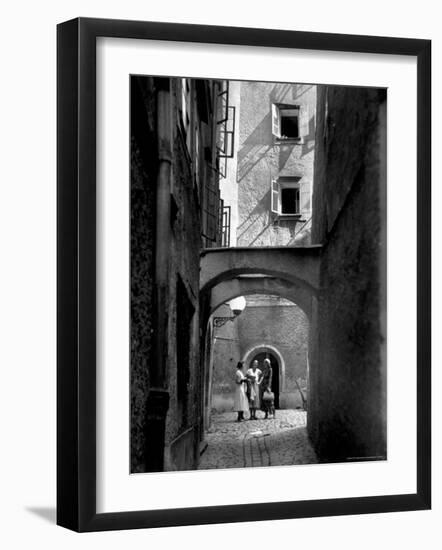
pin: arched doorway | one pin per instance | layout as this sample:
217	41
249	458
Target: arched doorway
268	327
262	352
220	283
276	387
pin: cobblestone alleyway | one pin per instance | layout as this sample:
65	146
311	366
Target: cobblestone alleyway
274	442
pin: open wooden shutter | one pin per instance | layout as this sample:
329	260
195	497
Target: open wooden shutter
304	119
274	197
276	123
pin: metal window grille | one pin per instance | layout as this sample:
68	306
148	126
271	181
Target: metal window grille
223	225
226	226
226	130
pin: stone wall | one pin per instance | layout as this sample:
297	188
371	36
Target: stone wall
143	181
347	401
169	440
183	416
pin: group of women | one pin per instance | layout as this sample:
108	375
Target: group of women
253	390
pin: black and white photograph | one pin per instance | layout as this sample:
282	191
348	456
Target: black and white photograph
220	242
258	304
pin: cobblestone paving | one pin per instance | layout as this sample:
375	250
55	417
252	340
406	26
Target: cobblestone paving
273	442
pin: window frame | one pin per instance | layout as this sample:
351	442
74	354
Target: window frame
276	118
276	187
290	186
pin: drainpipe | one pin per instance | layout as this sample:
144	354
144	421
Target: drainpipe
158	397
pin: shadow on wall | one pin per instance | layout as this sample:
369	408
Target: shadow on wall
301	89
255	147
280	92
309	145
255	216
260	142
285	152
253	155
260	136
260	234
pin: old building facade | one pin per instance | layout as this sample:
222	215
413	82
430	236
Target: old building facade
174	214
270	180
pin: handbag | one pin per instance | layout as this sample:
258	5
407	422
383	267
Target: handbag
268	395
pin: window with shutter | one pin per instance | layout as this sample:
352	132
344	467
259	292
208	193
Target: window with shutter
285	196
287	122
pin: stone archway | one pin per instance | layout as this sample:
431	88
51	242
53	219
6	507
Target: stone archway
244	286
298	265
289	272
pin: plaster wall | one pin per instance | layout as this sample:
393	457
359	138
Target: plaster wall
347	414
262	158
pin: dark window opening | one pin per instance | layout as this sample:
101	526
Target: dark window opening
289	124
290	200
184	316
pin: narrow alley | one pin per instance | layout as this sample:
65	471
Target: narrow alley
258	266
282	441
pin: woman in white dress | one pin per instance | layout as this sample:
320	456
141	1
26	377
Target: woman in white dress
240	403
254	376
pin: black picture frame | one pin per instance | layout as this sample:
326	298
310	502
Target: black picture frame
76	274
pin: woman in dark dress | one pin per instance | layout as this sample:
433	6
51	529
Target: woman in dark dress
266	384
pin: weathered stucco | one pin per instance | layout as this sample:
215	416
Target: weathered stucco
347	403
262	158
